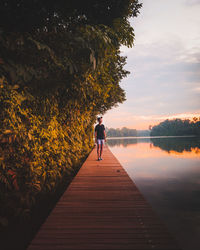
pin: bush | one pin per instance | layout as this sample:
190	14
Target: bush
37	149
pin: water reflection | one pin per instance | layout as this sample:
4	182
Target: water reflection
167	171
178	144
123	141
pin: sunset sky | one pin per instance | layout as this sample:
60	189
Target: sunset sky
164	63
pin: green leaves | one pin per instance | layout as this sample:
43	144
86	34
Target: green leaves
58	70
34	155
61	16
177	127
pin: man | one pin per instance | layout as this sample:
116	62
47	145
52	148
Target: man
100	137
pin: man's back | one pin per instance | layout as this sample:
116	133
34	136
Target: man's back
100	131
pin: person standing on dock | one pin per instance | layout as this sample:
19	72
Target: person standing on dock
100	137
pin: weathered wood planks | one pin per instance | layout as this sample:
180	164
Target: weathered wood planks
102	209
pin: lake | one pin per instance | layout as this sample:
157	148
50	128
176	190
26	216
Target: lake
167	172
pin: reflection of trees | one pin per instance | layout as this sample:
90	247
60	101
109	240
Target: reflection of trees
125	141
177	144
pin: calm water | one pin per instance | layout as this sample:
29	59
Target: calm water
167	172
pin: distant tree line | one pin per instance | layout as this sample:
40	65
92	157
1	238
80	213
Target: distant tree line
177	127
111	132
143	132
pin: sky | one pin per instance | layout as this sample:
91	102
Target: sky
164	65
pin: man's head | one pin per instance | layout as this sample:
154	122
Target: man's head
100	119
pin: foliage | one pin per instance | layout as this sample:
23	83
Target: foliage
145	132
60	65
37	149
177	127
111	132
51	15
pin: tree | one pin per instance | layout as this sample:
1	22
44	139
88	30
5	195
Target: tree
176	127
111	132
60	65
68	44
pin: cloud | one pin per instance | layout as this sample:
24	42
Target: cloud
161	80
113	119
192	2
196	89
164	65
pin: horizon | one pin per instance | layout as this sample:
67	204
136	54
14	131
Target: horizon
164	66
161	120
191	119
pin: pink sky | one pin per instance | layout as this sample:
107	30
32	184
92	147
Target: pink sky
115	119
164	65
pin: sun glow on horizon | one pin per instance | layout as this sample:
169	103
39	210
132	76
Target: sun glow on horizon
142	122
164	79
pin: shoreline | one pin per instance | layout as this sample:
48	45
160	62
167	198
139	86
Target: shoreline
145	137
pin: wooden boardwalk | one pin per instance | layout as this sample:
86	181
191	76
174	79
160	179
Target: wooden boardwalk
102	209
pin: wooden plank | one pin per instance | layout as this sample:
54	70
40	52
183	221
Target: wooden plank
103	209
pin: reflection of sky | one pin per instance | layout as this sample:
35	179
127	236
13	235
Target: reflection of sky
170	182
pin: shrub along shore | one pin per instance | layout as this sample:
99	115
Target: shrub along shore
60	66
